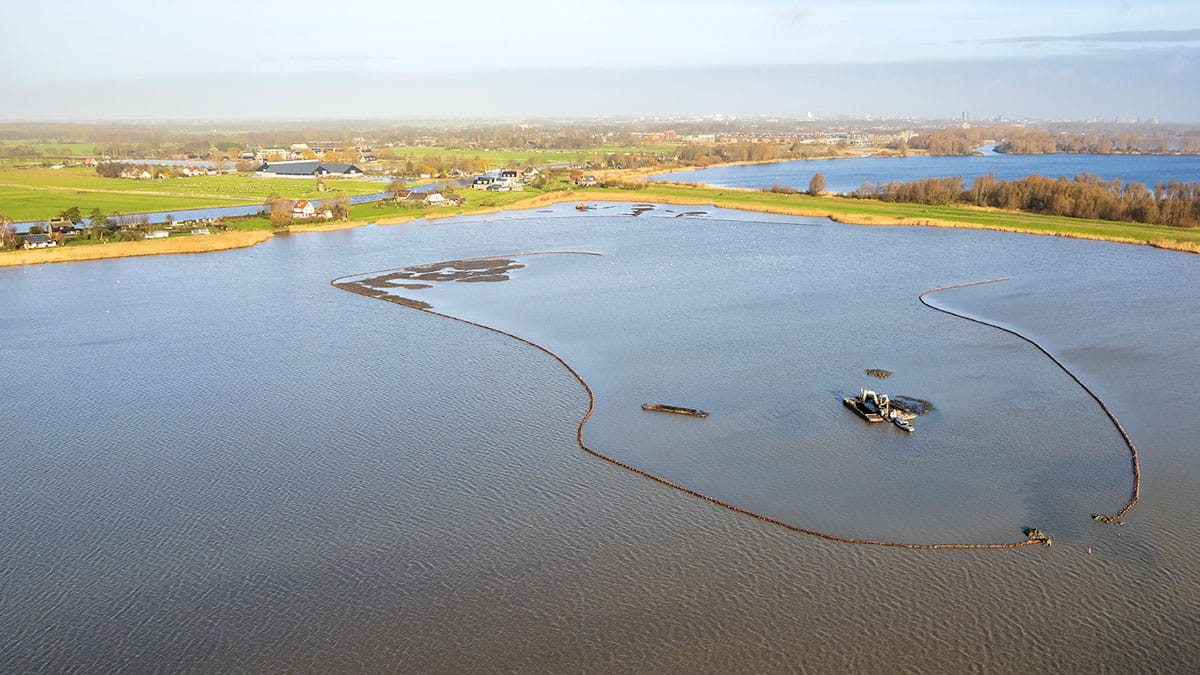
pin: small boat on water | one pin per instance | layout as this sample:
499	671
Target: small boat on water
660	407
902	423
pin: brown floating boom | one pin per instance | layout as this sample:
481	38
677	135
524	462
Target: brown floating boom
591	408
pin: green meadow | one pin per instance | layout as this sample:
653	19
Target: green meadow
81	178
33	204
35	194
60	150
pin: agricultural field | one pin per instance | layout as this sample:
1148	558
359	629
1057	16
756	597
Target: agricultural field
80	178
36	194
22	204
56	149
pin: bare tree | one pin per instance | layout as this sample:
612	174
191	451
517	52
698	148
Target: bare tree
8	234
280	212
816	186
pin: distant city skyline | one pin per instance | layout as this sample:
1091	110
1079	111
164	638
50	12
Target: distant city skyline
385	60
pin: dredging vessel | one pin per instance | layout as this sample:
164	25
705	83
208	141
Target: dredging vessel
875	408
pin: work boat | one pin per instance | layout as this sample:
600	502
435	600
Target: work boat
902	423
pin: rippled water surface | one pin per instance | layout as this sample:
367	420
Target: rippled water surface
221	462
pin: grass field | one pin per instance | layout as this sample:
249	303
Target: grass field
43	193
57	149
32	204
229	185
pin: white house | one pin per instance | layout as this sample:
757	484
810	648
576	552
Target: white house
38	241
303	209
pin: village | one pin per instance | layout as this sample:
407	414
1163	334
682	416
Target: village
426	192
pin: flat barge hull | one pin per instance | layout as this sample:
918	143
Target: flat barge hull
859	408
659	407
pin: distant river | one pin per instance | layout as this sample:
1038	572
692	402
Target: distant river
846	174
221	463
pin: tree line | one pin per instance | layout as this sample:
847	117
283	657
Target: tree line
1040	141
1172	203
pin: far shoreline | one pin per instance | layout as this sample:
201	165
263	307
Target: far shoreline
812	209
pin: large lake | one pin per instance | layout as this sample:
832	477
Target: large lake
847	174
221	463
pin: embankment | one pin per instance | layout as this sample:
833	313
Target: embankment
127	249
839	212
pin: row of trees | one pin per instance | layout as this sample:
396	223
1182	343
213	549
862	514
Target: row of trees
115	169
1040	141
436	165
948	142
1085	196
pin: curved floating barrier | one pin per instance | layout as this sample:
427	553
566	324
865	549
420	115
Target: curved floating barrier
1133	451
1034	536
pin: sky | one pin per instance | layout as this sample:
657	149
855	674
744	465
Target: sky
390	59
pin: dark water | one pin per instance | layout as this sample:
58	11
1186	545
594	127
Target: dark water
847	174
222	463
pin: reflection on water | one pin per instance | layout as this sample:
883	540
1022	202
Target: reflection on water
220	462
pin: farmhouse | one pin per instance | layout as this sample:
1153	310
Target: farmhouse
308	168
439	199
38	241
483	182
303	209
64	227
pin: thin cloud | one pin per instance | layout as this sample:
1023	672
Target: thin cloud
1190	35
797	15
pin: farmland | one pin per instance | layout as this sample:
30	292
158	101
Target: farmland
35	194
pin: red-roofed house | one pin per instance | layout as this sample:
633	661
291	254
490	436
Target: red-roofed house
303	209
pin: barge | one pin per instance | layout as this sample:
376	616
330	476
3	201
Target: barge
660	407
862	409
874	408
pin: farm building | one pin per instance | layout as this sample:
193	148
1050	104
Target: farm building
307	168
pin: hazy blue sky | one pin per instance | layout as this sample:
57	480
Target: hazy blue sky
389	59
